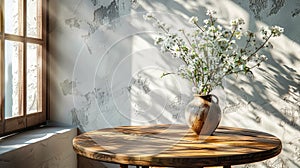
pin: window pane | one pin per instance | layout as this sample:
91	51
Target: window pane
13	53
34	18
13	17
33	53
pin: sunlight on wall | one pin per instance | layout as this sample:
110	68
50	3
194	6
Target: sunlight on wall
107	70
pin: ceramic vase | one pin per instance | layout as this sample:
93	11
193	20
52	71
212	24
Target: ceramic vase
203	114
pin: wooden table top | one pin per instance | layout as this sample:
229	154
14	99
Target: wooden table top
176	145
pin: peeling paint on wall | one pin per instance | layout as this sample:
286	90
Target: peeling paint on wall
296	12
73	22
278	162
134	4
76	120
139	86
292	112
258	6
67	87
94	2
176	106
140	83
176	103
294	144
276	6
80	115
104	15
97	102
103	97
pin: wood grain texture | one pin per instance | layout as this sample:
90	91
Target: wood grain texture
176	146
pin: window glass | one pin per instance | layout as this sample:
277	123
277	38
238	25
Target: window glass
13	12
33	53
13	53
34	18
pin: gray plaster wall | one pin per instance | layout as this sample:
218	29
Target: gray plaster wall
105	70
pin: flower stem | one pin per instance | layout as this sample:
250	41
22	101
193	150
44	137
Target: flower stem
199	27
260	47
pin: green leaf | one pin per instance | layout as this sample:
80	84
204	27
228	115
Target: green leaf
165	74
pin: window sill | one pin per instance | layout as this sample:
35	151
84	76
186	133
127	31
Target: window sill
45	146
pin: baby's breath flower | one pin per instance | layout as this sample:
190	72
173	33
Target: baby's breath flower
157	40
241	21
244	57
264	31
210	12
238	35
233	22
269	45
236	22
263	57
219	27
211	52
193	20
191	68
276	30
206	21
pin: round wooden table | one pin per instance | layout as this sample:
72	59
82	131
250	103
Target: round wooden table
176	146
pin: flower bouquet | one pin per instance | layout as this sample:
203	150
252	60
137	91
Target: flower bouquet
208	53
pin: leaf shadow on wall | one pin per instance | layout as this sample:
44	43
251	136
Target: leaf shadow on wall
281	80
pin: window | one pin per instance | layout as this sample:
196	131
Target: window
22	64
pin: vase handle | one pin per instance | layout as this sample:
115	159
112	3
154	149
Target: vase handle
216	97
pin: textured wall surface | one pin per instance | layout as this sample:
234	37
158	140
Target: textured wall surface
105	70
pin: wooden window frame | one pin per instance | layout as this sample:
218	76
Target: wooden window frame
9	125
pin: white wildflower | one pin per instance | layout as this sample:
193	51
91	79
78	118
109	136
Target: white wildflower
219	27
276	30
263	57
233	22
211	52
191	68
210	12
157	40
232	42
193	20
269	45
244	57
230	60
212	28
206	21
238	35
241	21
237	22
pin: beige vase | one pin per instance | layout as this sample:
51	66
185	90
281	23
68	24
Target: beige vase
203	114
